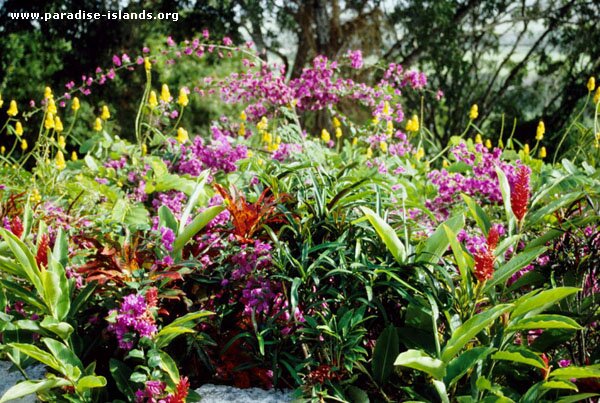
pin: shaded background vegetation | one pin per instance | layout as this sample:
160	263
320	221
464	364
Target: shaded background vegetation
528	60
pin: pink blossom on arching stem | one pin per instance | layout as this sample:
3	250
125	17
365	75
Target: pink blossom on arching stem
356	60
170	41
116	60
205	33
227	41
145	49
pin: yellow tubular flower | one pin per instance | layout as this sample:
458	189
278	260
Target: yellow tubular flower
105	115
420	154
61	142
263	124
383	146
165	94
144	149
182	135
543	152
474	112
386	108
58	126
98	124
336	122
24	145
183	97
478	139
147	64
12	109
591	84
1	101
325	136
355	141
18	128
445	164
541	130
413	124
243	116
369	152
51	106
152	100
596	96
338	132
60	161
526	149
266	137
74	156
48	93
389	128
242	129
75	105
2	150
49	122
488	143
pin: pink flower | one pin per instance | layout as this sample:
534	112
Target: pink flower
356	60
205	33
116	60
227	41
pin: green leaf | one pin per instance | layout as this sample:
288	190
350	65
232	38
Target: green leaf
39	355
460	365
121	374
480	217
420	361
559	385
62	353
463	260
193	200
195	226
63	297
544	322
81	298
512	266
576	398
542	301
357	395
551	207
61	329
90	382
167	219
471	328
521	356
505	190
169	366
436	245
575	372
29	387
387	235
24	258
386	349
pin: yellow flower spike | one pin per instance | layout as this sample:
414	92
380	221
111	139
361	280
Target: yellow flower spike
263	123
383	146
49	122
144	149
58	126
48	93
242	129
596	96
36	197
60	161
24	145
336	122
152	100
526	149
183	99
338	132
2	150
541	130
445	164
249	153
389	128
18	128
375	120
591	84
278	139
182	135
1	101
51	107
75	104
478	139
488	144
474	112
165	94
98	124
420	154
355	141
147	64
61	142
325	136
105	115
543	152
243	116
386	108
266	137
369	152
12	109
74	156
413	124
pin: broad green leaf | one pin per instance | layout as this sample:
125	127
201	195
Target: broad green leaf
463	260
559	385
24	258
542	301
90	382
357	395
505	190
387	235
52	291
29	387
167	335
193	200
81	298
61	329
386	350
575	372
39	355
16	290
440	388
121	374
512	266
167	219
420	361
63	297
195	226
437	244
471	328
551	207
521	356
62	353
576	398
169	366
544	322
460	365
480	217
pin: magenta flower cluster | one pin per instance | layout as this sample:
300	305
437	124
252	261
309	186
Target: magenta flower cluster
132	320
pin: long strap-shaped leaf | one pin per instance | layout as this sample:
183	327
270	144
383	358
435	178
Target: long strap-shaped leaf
387	235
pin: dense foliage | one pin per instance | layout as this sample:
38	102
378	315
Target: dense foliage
362	262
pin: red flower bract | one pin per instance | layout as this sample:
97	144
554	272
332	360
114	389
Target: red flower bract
180	393
519	195
484	265
41	258
493	238
16	226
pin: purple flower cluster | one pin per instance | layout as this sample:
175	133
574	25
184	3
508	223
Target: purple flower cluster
356	60
173	199
116	164
167	237
132	319
249	259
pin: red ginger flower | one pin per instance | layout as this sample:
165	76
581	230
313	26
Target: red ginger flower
41	258
519	195
484	265
493	238
16	226
180	394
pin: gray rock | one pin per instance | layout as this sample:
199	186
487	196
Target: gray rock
228	394
9	379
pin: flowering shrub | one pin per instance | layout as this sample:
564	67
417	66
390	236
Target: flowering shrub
313	239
